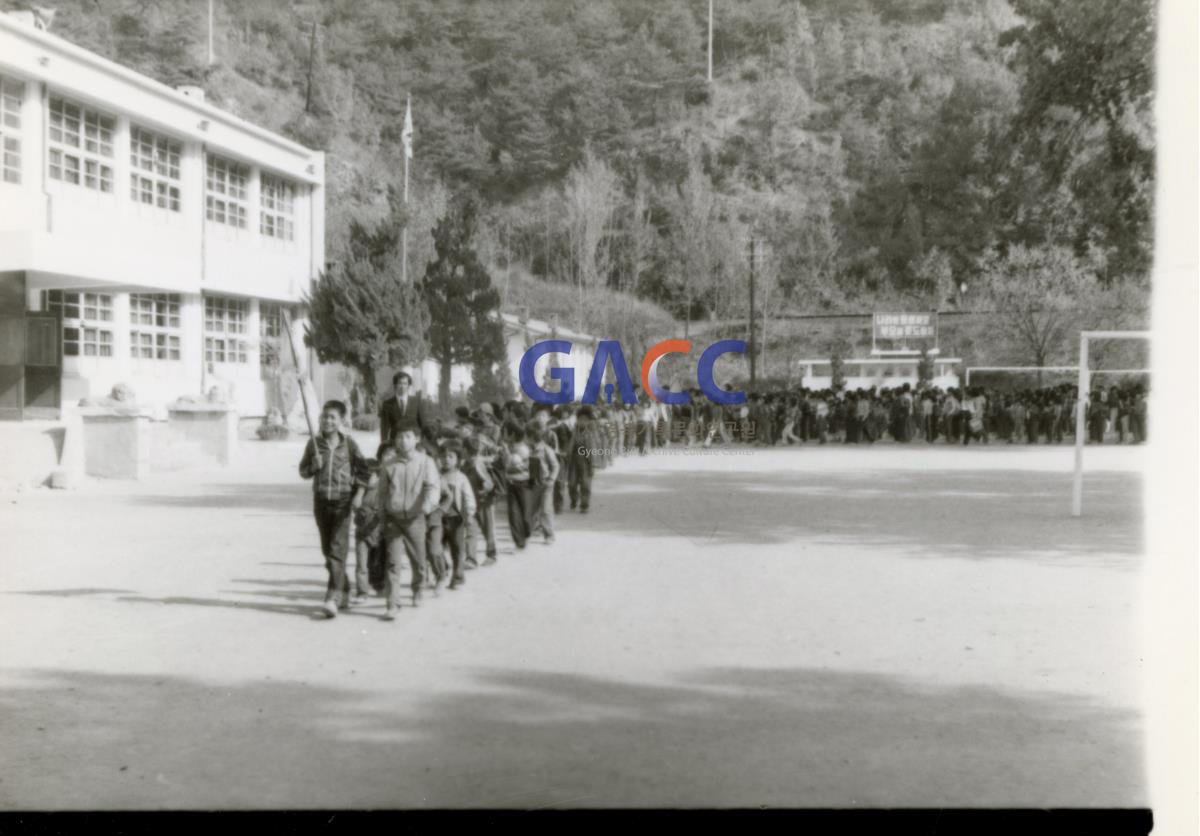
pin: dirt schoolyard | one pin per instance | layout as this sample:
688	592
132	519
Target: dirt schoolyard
829	627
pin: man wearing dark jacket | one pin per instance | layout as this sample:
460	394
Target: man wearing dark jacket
405	407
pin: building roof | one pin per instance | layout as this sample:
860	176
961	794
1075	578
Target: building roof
47	48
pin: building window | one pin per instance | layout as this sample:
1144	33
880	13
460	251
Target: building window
278	199
270	334
225	182
155	317
81	146
224	320
154	176
87	319
11	94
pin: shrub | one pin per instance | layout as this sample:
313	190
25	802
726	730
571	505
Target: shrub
366	422
272	432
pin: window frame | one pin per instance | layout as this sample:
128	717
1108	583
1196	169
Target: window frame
12	100
226	191
83	153
277	207
155	162
224	333
87	319
156	327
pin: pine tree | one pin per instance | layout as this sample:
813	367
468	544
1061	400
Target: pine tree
463	304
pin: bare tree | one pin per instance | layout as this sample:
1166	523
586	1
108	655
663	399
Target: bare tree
1041	298
695	221
592	191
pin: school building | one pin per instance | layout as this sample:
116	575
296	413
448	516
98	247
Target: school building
146	237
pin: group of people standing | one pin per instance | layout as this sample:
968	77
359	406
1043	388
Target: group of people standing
904	414
428	497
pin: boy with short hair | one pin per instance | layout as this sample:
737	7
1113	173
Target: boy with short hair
408	491
543	491
339	473
367	534
477	466
579	458
457	507
516	478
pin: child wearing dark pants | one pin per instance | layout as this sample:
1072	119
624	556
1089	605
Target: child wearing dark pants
579	460
339	473
516	475
476	469
408	492
457	506
367	536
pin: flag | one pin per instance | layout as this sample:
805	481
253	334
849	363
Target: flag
406	134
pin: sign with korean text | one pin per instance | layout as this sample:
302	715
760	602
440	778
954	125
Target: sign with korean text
903	333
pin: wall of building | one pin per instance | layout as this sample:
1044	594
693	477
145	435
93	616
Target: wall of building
66	236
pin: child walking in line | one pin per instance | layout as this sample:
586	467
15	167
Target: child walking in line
544	460
339	474
516	477
457	507
477	468
408	491
367	536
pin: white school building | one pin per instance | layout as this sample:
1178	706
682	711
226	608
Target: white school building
146	237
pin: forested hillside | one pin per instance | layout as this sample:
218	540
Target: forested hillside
877	151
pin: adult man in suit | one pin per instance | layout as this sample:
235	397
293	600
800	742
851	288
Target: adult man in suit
405	407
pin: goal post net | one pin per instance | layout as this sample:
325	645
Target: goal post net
1086	376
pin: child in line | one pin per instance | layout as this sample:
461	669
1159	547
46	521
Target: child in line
367	534
516	477
457	506
477	468
544	460
339	474
408	491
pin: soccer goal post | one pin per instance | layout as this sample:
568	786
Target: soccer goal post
1081	401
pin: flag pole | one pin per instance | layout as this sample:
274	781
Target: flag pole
404	231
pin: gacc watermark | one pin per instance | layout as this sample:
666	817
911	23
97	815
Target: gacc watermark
609	352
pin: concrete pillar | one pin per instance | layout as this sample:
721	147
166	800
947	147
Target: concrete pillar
121	165
191	342
253	201
212	427
116	443
122	366
254	334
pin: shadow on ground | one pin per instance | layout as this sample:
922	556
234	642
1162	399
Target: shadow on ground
281	498
968	514
522	739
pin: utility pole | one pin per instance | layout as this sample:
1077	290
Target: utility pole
710	28
752	352
210	33
312	53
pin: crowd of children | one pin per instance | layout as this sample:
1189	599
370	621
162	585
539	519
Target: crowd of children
429	497
432	492
902	414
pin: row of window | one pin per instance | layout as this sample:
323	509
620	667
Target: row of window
81	153
156	321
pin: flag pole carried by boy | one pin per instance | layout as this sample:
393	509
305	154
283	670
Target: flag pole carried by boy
312	432
406	136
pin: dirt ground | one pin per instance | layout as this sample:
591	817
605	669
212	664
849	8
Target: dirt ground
819	627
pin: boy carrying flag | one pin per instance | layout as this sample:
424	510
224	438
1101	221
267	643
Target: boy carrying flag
340	474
